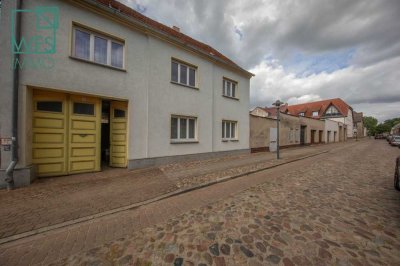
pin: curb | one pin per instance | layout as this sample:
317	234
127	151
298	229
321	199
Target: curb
142	203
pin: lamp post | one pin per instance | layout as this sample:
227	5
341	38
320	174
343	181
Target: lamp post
278	103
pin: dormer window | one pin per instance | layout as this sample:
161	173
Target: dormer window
332	111
301	114
315	113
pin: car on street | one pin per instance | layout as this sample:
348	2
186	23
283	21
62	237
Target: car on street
395	141
397	174
379	136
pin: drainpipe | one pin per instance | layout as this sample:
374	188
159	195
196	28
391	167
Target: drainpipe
14	115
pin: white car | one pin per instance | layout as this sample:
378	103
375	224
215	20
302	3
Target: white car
395	141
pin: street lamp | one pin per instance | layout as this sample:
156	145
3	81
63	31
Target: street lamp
278	103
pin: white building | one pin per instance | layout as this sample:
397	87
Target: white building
119	89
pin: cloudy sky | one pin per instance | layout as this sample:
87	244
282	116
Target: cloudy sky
300	50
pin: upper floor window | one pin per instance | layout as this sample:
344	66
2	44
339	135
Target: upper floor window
183	74
315	113
229	88
332	111
183	128
97	48
301	114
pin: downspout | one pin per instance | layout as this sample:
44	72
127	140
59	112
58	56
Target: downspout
14	115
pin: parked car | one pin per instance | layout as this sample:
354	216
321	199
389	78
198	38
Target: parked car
388	138
395	141
397	174
379	136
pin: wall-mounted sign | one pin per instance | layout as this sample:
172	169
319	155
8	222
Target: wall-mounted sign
6	141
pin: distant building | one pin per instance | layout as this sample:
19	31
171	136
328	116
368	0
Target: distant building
332	109
395	130
293	131
359	124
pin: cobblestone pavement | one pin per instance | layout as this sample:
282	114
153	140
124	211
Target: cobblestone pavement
339	208
53	201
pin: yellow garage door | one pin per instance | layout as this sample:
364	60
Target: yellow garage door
49	134
84	134
66	133
118	133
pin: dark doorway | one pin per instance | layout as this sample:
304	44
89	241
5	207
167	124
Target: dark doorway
313	136
105	132
302	135
320	136
328	136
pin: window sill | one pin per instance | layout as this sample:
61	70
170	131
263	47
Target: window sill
229	97
183	141
184	85
231	140
97	64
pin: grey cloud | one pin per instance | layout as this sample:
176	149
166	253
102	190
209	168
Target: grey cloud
277	30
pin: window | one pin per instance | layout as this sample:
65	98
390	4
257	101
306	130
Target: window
49	106
315	113
82	44
84	108
118	113
229	88
229	130
183	74
183	128
100	50
301	114
332	111
97	48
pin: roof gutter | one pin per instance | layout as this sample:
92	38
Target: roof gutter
14	114
163	34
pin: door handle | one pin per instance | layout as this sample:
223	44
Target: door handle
83	135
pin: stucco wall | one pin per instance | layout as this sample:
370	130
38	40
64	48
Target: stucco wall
145	84
289	130
348	121
313	125
332	127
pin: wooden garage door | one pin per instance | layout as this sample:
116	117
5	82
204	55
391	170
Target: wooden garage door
118	134
84	134
49	133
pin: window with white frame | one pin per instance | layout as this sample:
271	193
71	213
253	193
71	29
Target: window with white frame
315	113
183	74
332	111
97	48
229	130
183	128
229	88
301	114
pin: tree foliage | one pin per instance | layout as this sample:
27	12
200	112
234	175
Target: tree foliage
371	123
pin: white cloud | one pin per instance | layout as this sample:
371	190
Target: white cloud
349	49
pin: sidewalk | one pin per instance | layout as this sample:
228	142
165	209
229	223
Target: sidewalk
61	201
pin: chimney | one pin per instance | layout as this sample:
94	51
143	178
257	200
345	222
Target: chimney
176	28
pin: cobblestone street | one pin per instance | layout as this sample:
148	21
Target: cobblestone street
338	208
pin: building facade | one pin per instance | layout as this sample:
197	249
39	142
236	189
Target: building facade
293	131
123	90
359	129
332	109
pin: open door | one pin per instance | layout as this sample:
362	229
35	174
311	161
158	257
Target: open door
118	133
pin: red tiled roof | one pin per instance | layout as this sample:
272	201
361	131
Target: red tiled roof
159	27
319	106
272	110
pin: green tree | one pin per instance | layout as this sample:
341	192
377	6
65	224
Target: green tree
370	124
